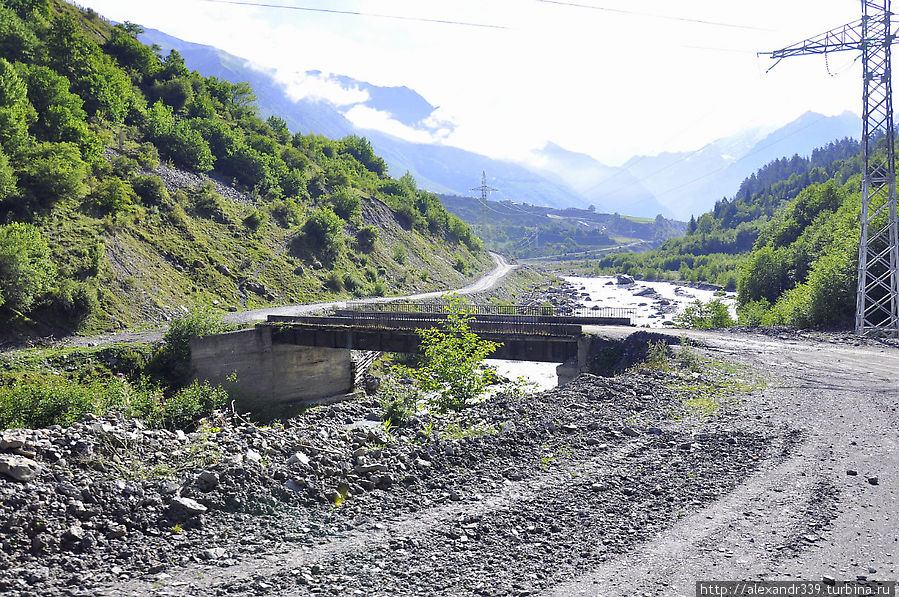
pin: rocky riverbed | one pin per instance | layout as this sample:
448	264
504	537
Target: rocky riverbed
512	495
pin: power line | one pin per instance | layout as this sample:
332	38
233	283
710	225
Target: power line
654	15
357	13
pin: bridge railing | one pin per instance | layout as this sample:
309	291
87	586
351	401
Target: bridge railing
404	322
441	307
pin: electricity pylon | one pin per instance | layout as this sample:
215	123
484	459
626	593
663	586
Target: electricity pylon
877	301
484	190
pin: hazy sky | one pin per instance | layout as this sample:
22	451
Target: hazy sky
607	82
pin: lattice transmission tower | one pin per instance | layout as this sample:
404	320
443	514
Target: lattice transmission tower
877	306
484	189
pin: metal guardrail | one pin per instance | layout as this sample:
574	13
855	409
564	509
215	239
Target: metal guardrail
408	324
441	307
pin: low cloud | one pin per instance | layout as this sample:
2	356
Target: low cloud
321	87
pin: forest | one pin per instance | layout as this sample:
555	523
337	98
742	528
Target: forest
787	242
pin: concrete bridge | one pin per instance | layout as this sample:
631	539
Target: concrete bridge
289	360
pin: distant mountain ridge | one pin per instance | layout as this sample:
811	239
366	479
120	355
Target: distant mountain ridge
674	184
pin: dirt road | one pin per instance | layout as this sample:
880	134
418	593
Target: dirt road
485	282
827	509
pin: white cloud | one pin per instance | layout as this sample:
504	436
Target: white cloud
321	86
606	84
368	118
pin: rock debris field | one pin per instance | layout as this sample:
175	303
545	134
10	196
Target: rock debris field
559	492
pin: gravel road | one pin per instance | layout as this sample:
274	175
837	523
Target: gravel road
485	282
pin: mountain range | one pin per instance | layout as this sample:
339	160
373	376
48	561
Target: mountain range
404	128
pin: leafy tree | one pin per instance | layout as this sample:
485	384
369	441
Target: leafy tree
453	356
172	362
140	60
113	196
28	8
26	268
50	172
7	178
347	205
16	113
17	41
60	116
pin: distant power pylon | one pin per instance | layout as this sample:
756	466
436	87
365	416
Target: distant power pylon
877	306
484	190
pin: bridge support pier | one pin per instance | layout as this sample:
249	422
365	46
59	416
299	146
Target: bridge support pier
270	375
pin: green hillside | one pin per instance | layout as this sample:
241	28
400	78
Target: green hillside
534	231
787	241
132	189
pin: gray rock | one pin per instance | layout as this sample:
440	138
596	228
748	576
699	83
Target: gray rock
9	441
183	508
298	458
213	553
19	468
874	480
207	481
630	432
851	472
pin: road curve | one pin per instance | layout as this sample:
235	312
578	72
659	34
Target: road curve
487	281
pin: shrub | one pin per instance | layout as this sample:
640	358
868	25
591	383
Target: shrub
74	301
713	314
460	265
334	282
150	189
346	205
286	212
255	220
657	355
51	172
172	362
452	372
322	231
113	196
399	254
26	268
398	401
366	238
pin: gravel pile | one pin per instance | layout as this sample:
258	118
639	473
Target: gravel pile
536	486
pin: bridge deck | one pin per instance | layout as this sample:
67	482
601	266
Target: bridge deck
525	341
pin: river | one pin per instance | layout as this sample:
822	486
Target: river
655	305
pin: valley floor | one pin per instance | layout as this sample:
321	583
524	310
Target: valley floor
773	457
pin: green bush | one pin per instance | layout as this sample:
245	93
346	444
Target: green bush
286	212
460	265
399	254
171	363
74	301
255	220
150	189
322	231
51	172
334	282
346	205
26	267
366	238
452	370
713	314
60	401
398	401
113	196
